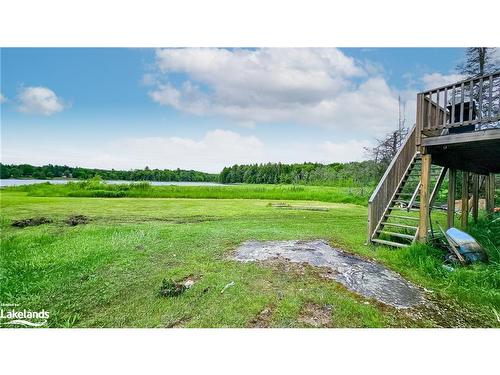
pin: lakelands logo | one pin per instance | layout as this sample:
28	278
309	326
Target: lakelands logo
9	315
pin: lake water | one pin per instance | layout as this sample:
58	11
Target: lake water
18	182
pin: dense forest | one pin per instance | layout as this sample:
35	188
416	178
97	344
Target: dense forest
337	174
63	171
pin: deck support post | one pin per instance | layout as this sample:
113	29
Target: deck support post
475	197
424	197
490	193
452	178
465	199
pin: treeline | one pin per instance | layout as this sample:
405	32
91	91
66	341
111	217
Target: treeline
364	173
337	174
63	171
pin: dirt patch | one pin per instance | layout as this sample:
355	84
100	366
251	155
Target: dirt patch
178	322
310	208
317	316
263	319
31	222
365	277
75	220
280	204
446	313
287	206
190	219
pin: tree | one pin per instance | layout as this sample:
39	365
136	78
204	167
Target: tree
481	61
387	147
478	61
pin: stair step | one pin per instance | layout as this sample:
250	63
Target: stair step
400	201
403	217
409	194
404	209
400	235
389	243
399	225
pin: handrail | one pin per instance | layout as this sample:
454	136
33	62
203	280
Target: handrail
388	184
474	101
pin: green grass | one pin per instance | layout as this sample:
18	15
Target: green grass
95	188
108	273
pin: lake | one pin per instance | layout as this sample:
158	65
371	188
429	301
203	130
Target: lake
18	182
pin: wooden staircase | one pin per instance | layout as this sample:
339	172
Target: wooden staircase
398	226
394	207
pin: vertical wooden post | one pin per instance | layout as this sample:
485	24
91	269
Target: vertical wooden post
475	197
424	197
452	175
490	193
420	119
465	199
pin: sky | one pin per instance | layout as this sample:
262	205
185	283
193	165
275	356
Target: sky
207	108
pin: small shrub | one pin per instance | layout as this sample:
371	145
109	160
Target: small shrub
171	288
108	194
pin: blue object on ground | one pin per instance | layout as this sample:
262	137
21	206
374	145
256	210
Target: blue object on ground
467	246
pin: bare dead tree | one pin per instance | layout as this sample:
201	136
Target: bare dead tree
387	147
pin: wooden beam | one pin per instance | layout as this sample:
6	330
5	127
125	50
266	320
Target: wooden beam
490	193
465	199
480	136
424	198
475	196
452	174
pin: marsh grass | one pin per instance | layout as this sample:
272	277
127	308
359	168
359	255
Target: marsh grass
97	188
107	271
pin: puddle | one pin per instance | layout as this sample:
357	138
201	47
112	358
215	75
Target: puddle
370	279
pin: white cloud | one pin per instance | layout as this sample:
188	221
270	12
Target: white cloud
213	151
39	100
435	80
313	86
345	151
3	99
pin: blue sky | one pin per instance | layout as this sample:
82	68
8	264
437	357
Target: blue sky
206	108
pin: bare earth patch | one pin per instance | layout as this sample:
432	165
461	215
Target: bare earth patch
317	316
75	220
31	222
263	320
367	278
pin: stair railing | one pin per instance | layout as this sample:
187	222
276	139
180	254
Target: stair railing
386	188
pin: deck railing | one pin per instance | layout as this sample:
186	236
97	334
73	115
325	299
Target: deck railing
386	188
470	105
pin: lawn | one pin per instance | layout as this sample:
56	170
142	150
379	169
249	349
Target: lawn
108	272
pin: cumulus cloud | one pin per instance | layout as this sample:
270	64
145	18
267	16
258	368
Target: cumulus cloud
280	85
3	99
211	152
39	100
435	80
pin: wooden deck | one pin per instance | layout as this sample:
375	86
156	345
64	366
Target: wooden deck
476	152
457	128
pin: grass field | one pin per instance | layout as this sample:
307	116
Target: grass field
95	188
108	272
